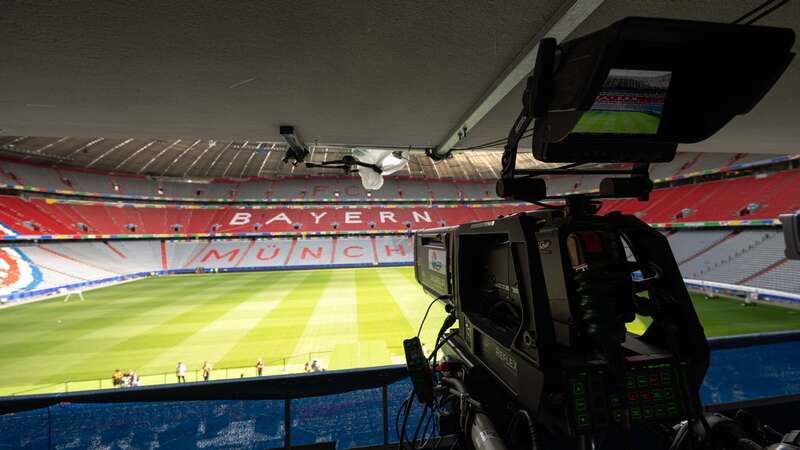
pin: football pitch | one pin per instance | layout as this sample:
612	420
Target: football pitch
345	318
617	122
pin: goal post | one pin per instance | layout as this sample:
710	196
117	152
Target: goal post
78	293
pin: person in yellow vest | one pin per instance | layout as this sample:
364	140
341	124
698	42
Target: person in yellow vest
259	367
206	370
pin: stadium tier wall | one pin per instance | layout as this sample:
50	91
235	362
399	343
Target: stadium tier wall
751	258
33	270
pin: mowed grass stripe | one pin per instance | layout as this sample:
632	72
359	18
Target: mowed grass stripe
145	333
333	321
379	316
31	320
409	295
724	316
278	333
46	355
125	320
212	341
407	272
98	312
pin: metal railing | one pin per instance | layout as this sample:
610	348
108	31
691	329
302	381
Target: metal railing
388	381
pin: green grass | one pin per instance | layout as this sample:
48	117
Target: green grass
343	317
624	122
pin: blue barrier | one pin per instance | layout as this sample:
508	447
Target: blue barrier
352	418
752	372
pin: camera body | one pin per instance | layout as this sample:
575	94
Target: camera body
542	299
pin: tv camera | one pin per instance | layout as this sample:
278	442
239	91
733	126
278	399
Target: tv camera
542	298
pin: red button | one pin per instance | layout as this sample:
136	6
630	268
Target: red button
654	379
632	397
645	396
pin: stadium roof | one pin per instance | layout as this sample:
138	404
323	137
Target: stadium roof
149	86
200	160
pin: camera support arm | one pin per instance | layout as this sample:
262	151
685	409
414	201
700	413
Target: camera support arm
348	163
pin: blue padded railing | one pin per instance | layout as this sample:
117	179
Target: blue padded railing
351	407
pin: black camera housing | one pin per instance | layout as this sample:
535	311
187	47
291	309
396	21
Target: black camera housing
543	351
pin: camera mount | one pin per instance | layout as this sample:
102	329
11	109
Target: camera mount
349	164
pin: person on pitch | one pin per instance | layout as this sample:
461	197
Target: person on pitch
206	370
180	372
259	367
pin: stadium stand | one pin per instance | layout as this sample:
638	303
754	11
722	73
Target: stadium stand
739	257
291	235
688	244
751	258
745	198
42	216
783	276
34	268
761	196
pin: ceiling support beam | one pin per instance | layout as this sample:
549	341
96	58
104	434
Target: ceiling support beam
127	158
147	164
43	148
563	22
107	152
214	162
84	147
189	169
185	151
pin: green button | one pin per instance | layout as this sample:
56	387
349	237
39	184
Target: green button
660	411
657	395
642	380
631	382
617	415
666	377
614	399
580	404
672	408
636	414
667	394
647	412
578	387
583	420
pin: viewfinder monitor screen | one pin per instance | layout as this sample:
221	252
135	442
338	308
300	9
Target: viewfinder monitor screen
630	102
433	269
